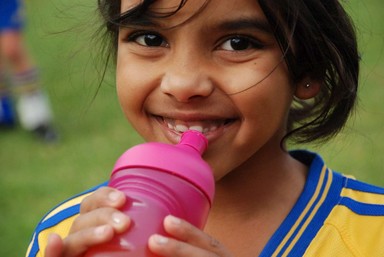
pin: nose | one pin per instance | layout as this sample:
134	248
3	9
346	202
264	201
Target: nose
185	81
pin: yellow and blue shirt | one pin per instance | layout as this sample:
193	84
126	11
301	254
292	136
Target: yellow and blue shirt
334	216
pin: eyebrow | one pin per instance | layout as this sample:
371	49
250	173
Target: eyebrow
140	22
235	24
245	23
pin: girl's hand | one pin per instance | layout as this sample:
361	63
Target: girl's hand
98	222
190	241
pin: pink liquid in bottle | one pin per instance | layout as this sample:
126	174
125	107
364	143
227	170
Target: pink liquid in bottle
159	179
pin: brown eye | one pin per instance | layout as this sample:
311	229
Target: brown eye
240	43
150	40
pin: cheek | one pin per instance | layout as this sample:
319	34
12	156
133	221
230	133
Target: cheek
132	87
266	110
241	77
124	90
269	104
136	82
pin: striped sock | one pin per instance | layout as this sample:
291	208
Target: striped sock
26	82
33	107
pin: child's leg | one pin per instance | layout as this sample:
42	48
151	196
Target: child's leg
32	104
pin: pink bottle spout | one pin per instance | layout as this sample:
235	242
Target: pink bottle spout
194	139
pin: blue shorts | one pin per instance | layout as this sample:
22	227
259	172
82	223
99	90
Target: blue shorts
11	15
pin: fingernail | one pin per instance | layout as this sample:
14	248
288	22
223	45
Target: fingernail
174	220
114	196
118	218
161	240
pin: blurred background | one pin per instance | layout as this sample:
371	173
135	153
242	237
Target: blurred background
93	132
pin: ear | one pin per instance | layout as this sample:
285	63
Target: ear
307	88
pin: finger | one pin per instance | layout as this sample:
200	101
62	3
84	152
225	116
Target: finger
191	235
102	216
169	247
54	246
78	243
103	197
186	232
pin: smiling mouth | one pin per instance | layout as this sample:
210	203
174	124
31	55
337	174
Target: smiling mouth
203	126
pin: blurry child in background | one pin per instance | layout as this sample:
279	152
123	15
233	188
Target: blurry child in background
19	78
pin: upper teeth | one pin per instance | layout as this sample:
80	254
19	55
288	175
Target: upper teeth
182	127
197	128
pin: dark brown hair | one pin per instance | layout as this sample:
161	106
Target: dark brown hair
318	40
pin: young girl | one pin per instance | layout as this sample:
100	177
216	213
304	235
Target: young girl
249	74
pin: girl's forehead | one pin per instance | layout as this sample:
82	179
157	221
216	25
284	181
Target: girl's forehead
165	6
206	9
129	4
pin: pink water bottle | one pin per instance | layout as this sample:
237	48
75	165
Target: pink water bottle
159	179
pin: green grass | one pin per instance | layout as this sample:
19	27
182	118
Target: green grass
94	133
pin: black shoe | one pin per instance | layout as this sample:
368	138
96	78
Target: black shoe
7	126
46	133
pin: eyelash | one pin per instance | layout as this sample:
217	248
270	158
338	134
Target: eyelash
135	35
250	41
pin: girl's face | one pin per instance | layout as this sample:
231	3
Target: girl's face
220	71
